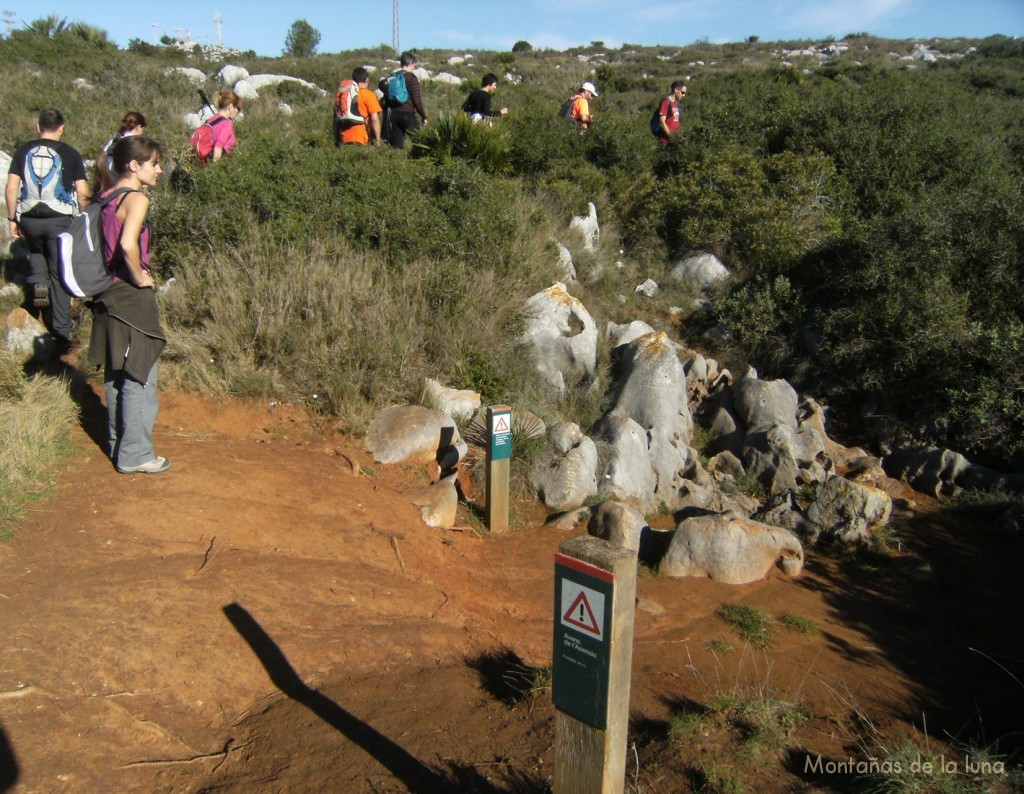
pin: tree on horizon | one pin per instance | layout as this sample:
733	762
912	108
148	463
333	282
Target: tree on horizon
302	39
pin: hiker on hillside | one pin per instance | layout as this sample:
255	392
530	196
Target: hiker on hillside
369	109
478	104
577	107
229	105
403	102
133	123
127	338
46	186
668	112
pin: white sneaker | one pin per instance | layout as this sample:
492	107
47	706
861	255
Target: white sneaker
155	466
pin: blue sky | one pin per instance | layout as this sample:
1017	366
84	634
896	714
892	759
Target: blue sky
556	24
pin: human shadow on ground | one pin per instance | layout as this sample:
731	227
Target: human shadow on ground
409	770
9	772
92	413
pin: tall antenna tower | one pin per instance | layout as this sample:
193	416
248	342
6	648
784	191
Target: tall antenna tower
217	19
394	25
154	25
9	17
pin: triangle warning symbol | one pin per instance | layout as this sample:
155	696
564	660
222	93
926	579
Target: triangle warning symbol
582	616
501	426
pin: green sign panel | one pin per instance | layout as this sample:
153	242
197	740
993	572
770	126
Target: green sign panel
583	622
499	427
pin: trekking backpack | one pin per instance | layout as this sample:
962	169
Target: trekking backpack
656	123
201	140
656	130
83	270
43	181
346	104
395	90
567	106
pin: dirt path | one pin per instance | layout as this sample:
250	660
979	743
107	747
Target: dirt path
272	615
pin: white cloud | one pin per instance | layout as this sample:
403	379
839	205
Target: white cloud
841	17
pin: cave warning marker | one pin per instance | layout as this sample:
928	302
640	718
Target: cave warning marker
580	615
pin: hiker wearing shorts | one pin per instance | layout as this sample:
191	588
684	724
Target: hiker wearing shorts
46	187
369	109
478	104
401	117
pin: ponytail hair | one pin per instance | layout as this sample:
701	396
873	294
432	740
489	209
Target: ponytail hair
131	120
225	98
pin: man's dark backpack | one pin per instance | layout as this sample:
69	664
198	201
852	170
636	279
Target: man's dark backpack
566	110
656	129
83	271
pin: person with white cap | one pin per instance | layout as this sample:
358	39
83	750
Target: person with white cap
577	107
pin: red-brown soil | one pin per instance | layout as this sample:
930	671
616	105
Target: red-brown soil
272	615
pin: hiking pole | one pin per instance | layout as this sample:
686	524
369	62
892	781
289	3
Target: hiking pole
206	101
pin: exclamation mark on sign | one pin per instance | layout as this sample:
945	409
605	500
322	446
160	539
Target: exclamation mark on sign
581	612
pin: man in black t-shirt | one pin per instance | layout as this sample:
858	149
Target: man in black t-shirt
46	187
478	104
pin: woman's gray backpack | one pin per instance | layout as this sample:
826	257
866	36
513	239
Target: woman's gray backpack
83	271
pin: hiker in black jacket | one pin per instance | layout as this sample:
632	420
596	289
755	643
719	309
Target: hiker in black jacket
478	104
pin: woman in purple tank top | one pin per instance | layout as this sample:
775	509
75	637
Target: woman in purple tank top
127	337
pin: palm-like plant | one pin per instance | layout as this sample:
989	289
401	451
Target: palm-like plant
48	26
453	135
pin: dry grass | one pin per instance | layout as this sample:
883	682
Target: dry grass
34	438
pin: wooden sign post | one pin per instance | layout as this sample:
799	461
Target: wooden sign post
499	458
595	591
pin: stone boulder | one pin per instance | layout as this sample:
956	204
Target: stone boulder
438	503
628	473
588	227
28	337
651	390
618	335
761	404
229	75
730	549
414	434
619	524
701	271
249	87
564	480
848	511
457	403
194	76
562	338
943	472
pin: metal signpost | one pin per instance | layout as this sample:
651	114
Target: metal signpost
499	454
595	590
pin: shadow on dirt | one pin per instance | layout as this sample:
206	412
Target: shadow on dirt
413	773
9	772
944	609
506	677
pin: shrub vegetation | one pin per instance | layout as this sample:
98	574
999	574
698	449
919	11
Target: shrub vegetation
870	210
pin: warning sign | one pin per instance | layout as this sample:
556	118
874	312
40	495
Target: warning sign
584	595
584	605
500	430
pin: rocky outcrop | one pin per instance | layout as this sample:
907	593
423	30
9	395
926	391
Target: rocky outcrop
414	434
731	549
562	338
